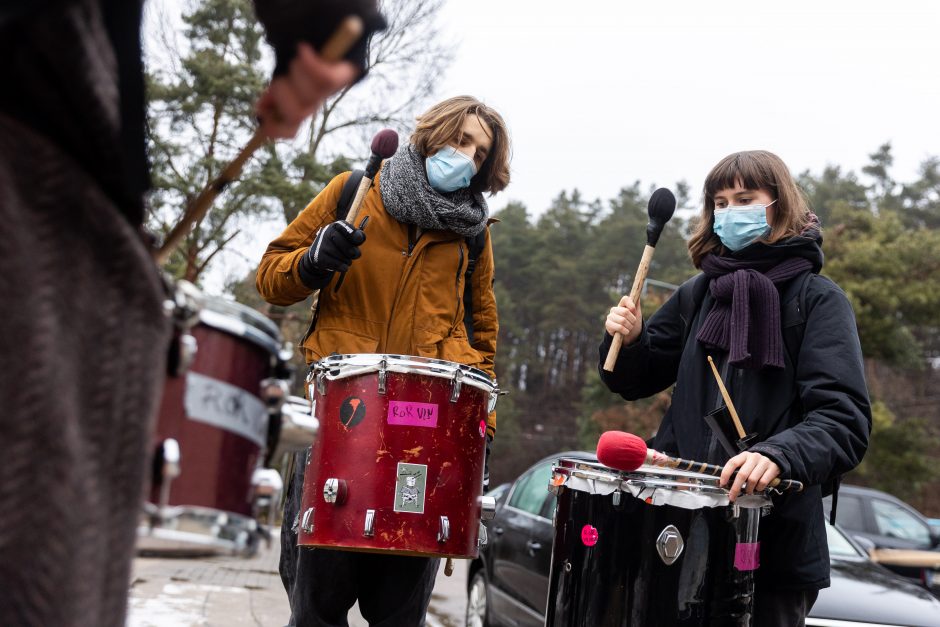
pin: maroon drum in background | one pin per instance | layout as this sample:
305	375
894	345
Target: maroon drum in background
212	428
397	466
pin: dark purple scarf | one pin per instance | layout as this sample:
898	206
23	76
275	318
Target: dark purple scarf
745	318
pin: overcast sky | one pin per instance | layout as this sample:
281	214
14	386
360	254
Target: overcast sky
600	94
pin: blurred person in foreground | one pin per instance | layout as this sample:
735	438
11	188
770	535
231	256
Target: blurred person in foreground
83	333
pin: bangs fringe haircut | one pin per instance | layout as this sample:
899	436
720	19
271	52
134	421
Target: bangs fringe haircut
753	170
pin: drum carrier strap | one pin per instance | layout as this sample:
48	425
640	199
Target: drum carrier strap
475	244
793	320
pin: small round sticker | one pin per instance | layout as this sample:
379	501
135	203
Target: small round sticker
482	428
352	411
589	535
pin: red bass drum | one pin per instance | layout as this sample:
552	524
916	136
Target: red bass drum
397	466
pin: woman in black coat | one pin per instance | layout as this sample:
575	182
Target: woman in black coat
784	339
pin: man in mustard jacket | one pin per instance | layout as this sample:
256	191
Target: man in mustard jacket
404	296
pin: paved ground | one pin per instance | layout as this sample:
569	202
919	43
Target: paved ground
233	592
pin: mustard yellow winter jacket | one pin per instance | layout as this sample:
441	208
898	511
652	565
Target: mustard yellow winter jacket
401	297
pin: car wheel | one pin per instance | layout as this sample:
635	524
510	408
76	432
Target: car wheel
477	602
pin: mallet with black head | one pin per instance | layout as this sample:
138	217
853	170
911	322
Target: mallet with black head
661	206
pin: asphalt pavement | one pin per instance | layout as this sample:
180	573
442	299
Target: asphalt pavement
236	592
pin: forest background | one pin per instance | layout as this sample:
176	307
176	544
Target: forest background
559	267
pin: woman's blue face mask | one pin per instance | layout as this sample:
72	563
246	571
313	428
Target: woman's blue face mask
738	226
449	169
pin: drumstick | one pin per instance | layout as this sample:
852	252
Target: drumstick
342	39
724	394
627	452
661	206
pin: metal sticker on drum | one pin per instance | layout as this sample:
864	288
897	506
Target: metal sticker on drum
410	414
410	488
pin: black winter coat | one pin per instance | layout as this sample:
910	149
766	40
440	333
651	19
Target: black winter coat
813	417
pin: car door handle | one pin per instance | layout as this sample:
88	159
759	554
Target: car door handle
533	546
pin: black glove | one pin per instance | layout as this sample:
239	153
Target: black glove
333	249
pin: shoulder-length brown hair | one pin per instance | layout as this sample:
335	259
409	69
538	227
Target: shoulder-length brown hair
442	124
756	170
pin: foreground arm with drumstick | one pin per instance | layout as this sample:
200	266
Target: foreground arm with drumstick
787	353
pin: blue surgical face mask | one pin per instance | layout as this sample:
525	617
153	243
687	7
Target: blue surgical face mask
449	169
738	226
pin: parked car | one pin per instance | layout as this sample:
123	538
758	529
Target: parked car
508	584
885	520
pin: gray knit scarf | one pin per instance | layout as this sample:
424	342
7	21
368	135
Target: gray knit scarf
409	198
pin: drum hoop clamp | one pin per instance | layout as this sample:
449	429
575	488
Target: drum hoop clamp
457	383
368	528
306	523
383	375
443	535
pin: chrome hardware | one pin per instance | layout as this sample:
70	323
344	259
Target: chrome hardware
306	523
334	491
443	535
383	375
567	566
482	538
669	545
321	383
457	383
188	347
368	530
616	498
274	392
487	507
170	470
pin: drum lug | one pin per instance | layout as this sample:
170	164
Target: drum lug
306	523
321	383
335	491
482	538
487	507
443	534
169	470
457	383
669	545
383	375
616	498
368	529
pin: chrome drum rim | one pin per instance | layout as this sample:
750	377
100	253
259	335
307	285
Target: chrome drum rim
476	602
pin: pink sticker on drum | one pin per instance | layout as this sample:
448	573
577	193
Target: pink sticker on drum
747	555
482	428
410	414
589	535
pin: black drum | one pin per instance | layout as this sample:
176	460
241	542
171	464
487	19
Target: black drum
651	547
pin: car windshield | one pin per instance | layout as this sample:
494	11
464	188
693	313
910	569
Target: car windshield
839	546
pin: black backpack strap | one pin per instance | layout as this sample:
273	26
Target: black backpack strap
348	193
475	244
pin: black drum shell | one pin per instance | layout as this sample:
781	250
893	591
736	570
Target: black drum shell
622	580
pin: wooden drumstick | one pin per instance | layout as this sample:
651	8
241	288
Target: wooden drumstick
724	394
661	206
342	39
